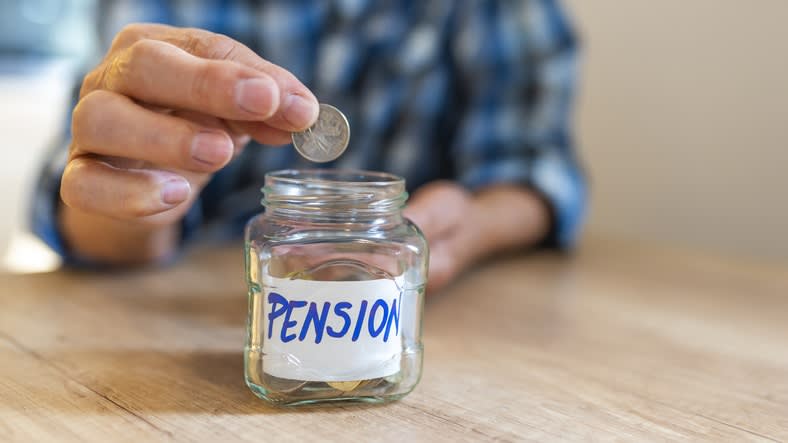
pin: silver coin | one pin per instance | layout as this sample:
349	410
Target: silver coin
326	139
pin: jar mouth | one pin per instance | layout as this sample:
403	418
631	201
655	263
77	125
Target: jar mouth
333	192
347	177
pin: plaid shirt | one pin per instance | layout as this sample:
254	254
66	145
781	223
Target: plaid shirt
475	91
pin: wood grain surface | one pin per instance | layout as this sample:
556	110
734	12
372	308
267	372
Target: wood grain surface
619	341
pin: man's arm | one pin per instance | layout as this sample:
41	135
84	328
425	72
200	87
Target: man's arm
517	180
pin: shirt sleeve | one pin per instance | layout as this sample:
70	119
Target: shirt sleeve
46	198
517	68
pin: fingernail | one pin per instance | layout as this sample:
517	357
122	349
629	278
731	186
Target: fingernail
212	148
175	191
258	95
299	111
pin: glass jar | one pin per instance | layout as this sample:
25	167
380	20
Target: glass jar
336	279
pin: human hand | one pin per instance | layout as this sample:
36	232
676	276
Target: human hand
165	109
462	228
444	212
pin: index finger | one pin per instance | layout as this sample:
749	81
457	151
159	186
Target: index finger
210	73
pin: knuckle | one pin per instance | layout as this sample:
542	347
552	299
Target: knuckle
128	34
141	49
220	47
90	81
109	75
102	76
71	190
135	29
189	41
113	62
134	32
87	115
81	119
118	71
207	44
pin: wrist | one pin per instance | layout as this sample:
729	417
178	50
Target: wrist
508	217
478	232
95	238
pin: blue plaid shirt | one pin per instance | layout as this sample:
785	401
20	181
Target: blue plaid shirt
475	91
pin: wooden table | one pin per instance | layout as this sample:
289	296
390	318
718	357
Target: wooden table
618	341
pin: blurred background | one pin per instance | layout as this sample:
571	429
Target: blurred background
42	45
681	119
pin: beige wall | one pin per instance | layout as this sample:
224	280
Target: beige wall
683	121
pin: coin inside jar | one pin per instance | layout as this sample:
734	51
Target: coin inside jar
344	386
326	139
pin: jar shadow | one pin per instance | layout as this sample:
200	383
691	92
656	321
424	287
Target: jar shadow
160	382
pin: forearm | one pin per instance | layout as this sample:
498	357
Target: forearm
507	217
101	239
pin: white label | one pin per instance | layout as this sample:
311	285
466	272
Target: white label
332	330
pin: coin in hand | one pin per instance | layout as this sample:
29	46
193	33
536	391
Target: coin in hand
326	139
